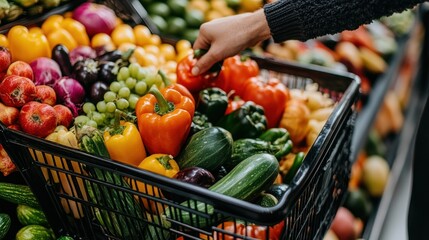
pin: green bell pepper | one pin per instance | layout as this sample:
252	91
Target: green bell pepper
213	103
246	147
199	122
248	121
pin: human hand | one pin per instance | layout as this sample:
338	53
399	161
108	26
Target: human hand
226	37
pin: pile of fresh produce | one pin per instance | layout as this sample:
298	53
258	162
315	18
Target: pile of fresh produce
116	91
12	10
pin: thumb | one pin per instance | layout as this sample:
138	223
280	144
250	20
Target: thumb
204	63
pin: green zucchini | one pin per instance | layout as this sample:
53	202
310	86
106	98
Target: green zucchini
245	181
278	190
32	232
267	200
115	205
5	223
208	149
18	194
31	216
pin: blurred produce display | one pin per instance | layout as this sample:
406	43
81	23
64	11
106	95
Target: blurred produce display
11	10
181	19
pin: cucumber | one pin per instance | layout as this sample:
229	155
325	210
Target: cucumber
31	216
208	149
32	232
245	181
18	194
297	162
5	223
115	205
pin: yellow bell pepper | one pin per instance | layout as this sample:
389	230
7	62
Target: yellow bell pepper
27	45
162	164
67	31
61	36
124	144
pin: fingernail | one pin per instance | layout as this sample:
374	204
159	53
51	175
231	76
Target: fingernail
195	71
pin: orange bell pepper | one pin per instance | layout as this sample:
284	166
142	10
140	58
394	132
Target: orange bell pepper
164	120
27	45
125	144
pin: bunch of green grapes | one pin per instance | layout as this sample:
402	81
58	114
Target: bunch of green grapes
132	82
94	118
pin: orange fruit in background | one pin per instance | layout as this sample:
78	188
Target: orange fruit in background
142	35
102	39
123	33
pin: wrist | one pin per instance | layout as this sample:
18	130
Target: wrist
259	25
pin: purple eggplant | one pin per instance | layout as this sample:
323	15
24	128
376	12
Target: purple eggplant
86	72
107	71
97	91
193	175
60	54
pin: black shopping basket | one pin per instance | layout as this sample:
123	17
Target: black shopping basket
304	212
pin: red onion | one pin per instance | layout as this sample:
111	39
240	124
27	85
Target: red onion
46	71
71	93
95	17
81	53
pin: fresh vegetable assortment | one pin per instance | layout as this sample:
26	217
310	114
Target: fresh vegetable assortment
116	91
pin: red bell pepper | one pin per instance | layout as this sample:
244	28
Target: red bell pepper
251	230
195	83
176	86
269	93
235	71
233	104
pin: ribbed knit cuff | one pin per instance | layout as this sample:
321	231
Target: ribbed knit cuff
283	21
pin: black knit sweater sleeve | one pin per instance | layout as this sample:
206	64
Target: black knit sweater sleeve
306	19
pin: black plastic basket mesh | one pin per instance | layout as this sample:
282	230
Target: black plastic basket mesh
128	202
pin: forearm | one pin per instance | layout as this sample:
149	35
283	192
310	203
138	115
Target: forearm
305	19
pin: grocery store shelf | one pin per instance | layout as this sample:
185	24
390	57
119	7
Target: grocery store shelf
390	219
366	117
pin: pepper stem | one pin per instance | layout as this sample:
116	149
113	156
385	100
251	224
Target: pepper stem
163	106
165	79
165	161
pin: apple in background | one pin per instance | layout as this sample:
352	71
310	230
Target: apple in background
45	94
15	91
343	225
20	68
64	115
5	59
8	115
38	119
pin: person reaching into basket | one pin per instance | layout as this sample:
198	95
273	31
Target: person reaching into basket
303	20
286	20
